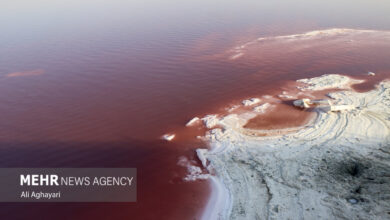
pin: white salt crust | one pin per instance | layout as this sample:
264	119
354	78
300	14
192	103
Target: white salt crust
294	175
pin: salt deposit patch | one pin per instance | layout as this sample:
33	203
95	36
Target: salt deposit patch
262	108
285	95
267	96
168	137
251	101
328	81
210	121
194	172
193	121
201	153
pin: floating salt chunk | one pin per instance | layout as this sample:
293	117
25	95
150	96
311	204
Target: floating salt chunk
262	108
251	101
303	103
371	73
192	121
168	137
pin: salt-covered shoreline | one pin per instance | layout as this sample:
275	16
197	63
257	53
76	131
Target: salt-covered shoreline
337	166
267	159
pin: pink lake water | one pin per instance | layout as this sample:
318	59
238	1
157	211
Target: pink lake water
96	83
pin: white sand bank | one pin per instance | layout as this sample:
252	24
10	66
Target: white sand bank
336	167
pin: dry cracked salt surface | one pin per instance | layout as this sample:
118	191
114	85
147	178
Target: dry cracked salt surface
335	167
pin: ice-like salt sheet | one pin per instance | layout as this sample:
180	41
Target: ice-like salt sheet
337	167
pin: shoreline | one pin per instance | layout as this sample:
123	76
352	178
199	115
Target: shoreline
219	203
232	158
268	117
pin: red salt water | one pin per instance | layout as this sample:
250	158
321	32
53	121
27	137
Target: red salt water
282	116
96	83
